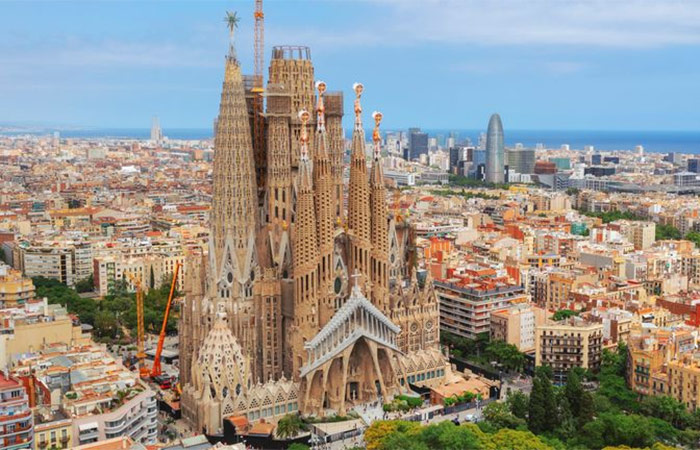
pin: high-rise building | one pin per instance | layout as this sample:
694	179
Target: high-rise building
495	152
478	167
694	165
156	132
568	344
520	160
298	305
457	154
417	144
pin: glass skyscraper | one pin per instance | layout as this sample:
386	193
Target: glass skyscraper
495	152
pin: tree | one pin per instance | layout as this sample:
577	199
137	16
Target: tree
518	403
573	391
500	416
564	314
106	325
667	232
542	404
289	426
518	440
298	446
379	429
617	429
85	285
668	409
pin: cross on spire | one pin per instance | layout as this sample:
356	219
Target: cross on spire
376	137
304	139
320	107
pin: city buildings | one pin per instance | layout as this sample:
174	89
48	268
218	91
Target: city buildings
99	396
16	417
567	344
28	328
65	261
466	302
15	289
417	144
521	160
516	325
495	151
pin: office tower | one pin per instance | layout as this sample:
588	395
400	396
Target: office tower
417	144
495	153
694	165
520	160
156	132
478	168
457	154
596	159
295	307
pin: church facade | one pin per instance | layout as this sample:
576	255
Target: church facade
308	298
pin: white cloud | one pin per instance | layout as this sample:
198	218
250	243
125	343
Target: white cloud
604	23
618	23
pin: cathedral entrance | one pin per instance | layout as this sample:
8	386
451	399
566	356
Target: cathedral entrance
353	391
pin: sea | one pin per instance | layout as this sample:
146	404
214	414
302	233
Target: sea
652	141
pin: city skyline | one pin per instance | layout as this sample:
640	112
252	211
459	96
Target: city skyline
578	67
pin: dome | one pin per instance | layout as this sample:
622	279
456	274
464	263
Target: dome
221	365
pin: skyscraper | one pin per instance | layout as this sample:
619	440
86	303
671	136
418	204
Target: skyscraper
417	144
495	153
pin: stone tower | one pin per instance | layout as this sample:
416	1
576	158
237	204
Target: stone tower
358	198
379	275
325	210
306	255
336	145
279	162
234	210
291	68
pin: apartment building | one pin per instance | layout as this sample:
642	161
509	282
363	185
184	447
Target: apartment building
663	361
16	417
516	325
65	261
15	290
151	270
465	307
36	324
567	344
103	399
53	429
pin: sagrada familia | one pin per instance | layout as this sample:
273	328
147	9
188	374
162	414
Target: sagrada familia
308	298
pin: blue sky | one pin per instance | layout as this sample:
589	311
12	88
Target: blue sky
542	64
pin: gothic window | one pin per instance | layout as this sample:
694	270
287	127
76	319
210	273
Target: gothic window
337	285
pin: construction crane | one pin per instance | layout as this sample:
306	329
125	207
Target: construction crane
140	354
258	119
156	371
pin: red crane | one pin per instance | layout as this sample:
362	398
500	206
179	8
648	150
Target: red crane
156	370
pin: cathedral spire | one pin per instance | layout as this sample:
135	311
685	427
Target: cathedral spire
325	208
358	196
380	225
305	250
234	200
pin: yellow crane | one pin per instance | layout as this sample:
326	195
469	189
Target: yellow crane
140	354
